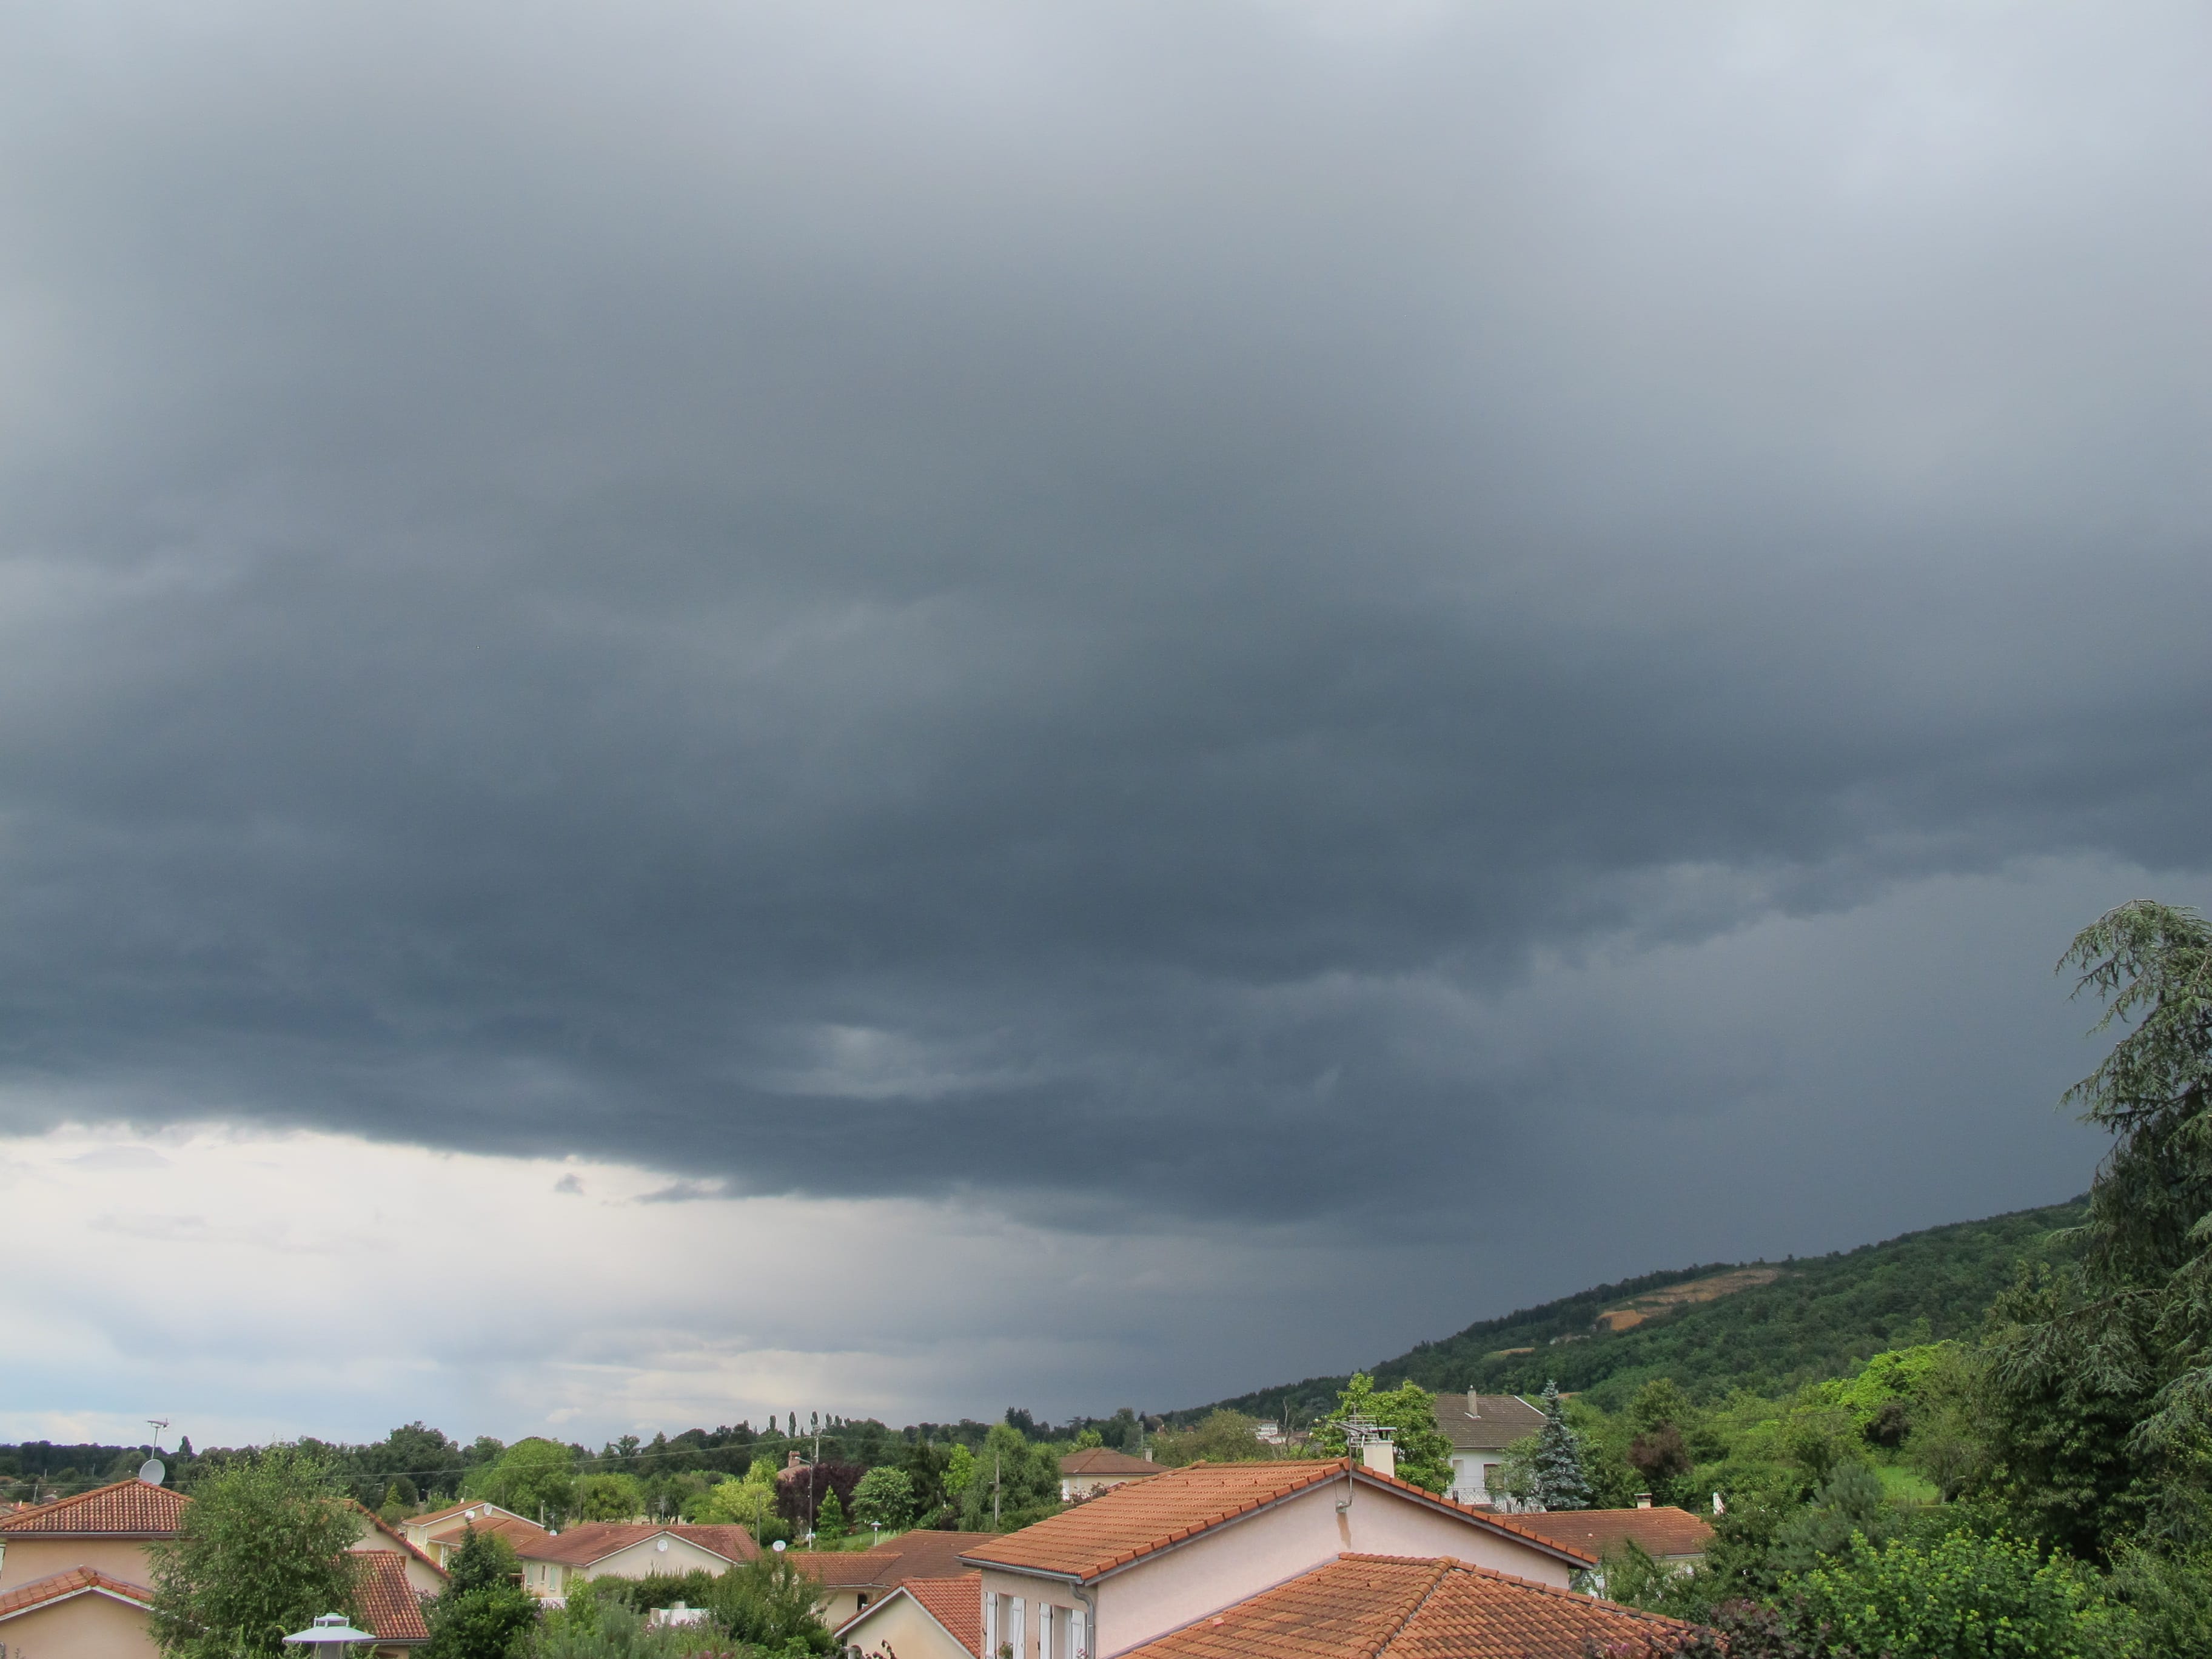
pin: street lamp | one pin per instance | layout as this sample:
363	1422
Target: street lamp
330	1635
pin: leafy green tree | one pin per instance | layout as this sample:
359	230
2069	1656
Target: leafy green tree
260	1552
769	1602
959	1476
747	1503
1013	1483
1559	1481
1818	1435
884	1497
1423	1452
532	1477
1852	1504
927	1470
830	1523
1220	1437
484	1611
607	1497
1963	1597
1946	1437
1089	1440
2099	1399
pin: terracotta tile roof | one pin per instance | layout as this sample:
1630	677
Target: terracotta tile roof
1100	1460
1499	1419
1129	1522
846	1569
1659	1532
524	1535
919	1554
388	1601
394	1538
1382	1607
78	1581
129	1509
955	1603
594	1541
457	1511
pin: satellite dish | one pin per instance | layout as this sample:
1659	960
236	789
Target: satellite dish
777	1546
151	1471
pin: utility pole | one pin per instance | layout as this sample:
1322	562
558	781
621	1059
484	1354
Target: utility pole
995	1490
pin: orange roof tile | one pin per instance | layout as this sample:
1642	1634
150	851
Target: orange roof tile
129	1509
523	1534
918	1555
1127	1523
1098	1460
78	1581
1663	1531
388	1601
1380	1606
394	1538
955	1603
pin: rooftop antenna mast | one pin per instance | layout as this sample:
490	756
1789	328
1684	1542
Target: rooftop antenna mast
151	1471
1360	1432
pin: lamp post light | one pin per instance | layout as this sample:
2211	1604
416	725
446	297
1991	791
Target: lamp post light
330	1635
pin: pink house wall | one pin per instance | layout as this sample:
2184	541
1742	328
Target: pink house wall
29	1556
91	1626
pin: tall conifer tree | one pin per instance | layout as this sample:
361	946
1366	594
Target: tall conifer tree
1560	1482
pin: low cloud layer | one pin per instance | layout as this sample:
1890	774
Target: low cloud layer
1392	621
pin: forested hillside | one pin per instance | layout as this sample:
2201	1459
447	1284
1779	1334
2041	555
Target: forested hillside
1818	1317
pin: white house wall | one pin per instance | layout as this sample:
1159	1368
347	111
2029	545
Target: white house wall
643	1560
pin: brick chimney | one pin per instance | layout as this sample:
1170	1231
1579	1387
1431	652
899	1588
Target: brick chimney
1381	1457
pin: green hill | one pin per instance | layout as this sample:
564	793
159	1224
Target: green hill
1763	1326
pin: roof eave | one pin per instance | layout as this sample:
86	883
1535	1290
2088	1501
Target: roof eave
1158	1550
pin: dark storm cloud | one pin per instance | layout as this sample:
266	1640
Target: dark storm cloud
909	598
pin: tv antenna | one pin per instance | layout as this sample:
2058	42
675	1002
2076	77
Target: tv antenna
151	1471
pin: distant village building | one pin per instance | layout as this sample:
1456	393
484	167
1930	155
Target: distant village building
439	1532
1480	1426
1087	1474
626	1549
854	1580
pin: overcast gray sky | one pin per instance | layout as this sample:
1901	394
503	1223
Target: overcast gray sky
1157	697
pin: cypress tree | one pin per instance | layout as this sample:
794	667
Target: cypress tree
1560	1482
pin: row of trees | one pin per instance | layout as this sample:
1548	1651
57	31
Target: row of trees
416	1466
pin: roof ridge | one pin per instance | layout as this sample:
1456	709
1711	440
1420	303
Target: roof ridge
70	1581
397	1537
1441	1566
155	1507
